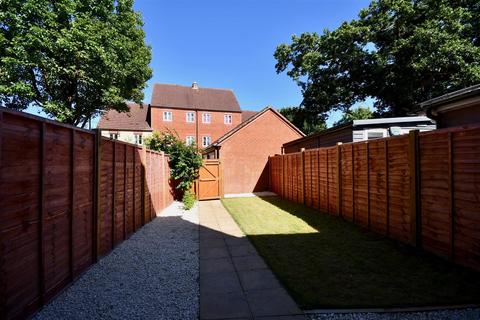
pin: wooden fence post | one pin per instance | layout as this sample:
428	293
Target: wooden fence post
114	192
339	178
415	218
97	191
41	213
387	191
368	182
302	163
283	176
353	183
72	203
125	192
134	194
451	197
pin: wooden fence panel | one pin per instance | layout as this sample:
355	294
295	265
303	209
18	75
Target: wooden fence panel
58	207
347	181
106	195
434	192
332	180
308	178
315	181
323	179
20	203
361	214
119	196
83	208
465	204
398	185
57	202
421	189
377	186
138	188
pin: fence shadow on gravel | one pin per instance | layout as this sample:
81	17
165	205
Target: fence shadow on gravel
67	197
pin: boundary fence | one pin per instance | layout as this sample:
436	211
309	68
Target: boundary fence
67	197
422	188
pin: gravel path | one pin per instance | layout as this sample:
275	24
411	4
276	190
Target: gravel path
459	314
153	275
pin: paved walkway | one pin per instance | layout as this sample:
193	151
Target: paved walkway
235	282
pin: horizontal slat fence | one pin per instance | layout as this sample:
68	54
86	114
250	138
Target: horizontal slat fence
67	197
422	189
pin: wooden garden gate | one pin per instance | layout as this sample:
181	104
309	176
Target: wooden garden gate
209	183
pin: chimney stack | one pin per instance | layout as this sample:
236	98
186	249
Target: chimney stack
195	85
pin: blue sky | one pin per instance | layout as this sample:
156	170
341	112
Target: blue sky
230	44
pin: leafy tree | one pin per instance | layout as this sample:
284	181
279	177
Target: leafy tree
303	119
184	159
400	52
359	113
72	58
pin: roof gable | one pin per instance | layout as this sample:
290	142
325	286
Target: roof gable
183	97
134	120
230	133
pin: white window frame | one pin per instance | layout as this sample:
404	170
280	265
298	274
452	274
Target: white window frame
383	131
138	138
227	116
167	116
206	117
206	141
114	135
189	140
190	117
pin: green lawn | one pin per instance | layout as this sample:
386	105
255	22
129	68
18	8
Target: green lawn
326	262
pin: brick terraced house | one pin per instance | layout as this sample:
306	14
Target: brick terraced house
130	126
196	114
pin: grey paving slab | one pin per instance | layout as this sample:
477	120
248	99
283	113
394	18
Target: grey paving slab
235	282
223	282
216	265
258	280
271	302
242	251
224	306
213	252
252	262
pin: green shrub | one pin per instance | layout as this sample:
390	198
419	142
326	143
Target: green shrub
184	160
188	200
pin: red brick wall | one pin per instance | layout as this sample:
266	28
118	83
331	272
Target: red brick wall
244	155
215	129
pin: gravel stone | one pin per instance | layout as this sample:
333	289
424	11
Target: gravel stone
451	314
152	275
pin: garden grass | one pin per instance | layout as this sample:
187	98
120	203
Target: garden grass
326	262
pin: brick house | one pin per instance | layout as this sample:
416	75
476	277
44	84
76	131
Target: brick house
132	126
194	113
244	151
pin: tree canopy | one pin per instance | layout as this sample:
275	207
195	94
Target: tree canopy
303	119
399	52
359	113
72	58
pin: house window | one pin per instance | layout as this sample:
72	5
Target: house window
372	134
206	117
114	136
206	140
190	140
190	116
227	119
138	138
167	116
